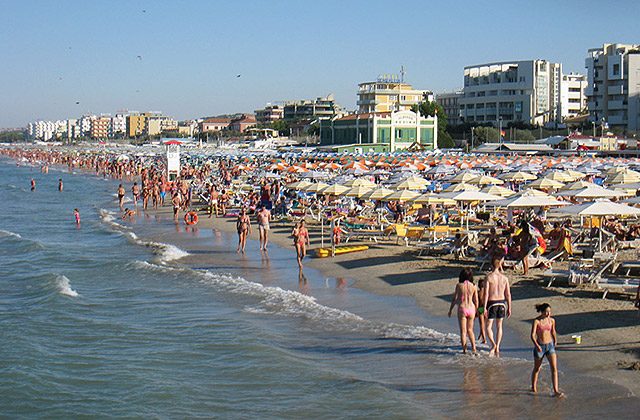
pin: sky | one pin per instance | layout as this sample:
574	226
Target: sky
62	59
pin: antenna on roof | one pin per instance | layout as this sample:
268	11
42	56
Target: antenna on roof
402	72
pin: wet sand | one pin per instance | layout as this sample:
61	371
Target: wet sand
609	328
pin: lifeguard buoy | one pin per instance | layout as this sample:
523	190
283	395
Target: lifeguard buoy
191	218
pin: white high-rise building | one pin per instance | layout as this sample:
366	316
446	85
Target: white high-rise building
613	85
573	98
118	126
512	91
46	130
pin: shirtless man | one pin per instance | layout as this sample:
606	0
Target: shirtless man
263	217
497	302
176	202
213	200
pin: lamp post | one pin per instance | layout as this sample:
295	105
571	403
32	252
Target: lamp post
499	129
594	129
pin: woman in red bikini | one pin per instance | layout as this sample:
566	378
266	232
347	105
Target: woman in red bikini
543	335
300	240
466	296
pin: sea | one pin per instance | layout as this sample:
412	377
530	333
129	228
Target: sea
147	318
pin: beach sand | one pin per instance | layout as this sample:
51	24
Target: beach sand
610	327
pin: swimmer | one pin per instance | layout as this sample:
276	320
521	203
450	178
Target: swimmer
60	186
466	296
76	214
543	335
128	214
33	184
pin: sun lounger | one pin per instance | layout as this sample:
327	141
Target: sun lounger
626	285
364	234
440	247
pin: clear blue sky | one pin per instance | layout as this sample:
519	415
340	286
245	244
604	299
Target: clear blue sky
57	53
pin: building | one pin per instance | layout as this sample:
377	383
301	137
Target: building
380	132
613	85
512	91
100	127
242	123
135	124
387	94
153	126
46	130
269	114
322	108
573	98
449	103
214	124
118	125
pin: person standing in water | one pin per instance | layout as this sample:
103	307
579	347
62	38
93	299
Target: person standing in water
33	184
243	226
263	217
121	193
135	191
466	296
76	215
300	236
543	335
60	185
497	302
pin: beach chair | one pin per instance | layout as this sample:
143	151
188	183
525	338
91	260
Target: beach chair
363	234
440	247
405	232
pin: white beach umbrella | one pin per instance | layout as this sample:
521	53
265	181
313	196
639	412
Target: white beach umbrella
377	194
528	198
498	190
469	196
413	183
357	192
461	187
402	195
485	180
517	176
359	182
465	176
558	176
578	185
624	177
335	189
299	185
315	188
601	208
590	192
431	198
545	183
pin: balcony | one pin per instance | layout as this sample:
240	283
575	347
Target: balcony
615	90
616	104
616	120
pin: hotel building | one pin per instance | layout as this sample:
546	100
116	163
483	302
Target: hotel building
573	97
319	108
389	94
613	85
512	91
269	114
450	104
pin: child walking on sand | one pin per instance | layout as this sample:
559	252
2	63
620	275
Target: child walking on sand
543	335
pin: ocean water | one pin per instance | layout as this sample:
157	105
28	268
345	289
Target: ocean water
153	319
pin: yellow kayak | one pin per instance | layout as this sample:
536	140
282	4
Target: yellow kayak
326	252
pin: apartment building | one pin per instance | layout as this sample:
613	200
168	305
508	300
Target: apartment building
46	130
512	91
214	124
613	85
269	114
118	125
449	102
388	94
573	97
319	108
100	127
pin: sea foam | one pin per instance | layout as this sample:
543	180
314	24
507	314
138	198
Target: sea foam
164	252
64	286
6	233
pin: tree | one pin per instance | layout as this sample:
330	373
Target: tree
524	135
486	134
282	126
431	109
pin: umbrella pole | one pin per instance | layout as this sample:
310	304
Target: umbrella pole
321	232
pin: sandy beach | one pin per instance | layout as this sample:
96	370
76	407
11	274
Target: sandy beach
609	327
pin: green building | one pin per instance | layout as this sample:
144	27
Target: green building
380	132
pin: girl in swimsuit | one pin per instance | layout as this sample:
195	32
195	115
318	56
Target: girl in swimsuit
466	296
543	335
243	225
300	241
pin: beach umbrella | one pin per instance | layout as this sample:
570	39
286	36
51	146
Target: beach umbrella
464	176
634	200
624	177
377	194
402	195
558	176
315	188
528	198
485	180
357	191
591	192
574	175
498	190
335	189
461	187
469	196
299	185
517	176
315	175
546	183
601	208
530	167
413	183
577	185
360	182
431	198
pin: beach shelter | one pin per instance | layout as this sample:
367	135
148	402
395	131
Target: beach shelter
360	182
377	194
431	198
412	183
498	190
578	185
402	195
299	185
590	192
517	176
464	176
357	191
528	198
485	180
335	189
461	187
624	177
315	188
574	174
545	183
558	176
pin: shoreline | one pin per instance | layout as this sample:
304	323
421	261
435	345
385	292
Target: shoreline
386	270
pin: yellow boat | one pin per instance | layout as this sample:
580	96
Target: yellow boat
326	252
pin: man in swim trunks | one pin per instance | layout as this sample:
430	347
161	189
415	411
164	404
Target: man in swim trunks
121	193
497	302
263	217
135	191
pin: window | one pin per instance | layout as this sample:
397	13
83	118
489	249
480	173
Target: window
616	69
